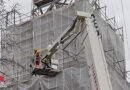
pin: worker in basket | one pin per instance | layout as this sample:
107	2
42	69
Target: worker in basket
46	61
35	51
33	61
37	60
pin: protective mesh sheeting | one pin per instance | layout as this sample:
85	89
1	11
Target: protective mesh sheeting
74	75
26	49
112	46
52	25
8	52
16	53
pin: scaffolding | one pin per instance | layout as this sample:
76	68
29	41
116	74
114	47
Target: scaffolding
43	6
8	23
12	21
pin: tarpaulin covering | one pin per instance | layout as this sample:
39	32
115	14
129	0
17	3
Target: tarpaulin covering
41	32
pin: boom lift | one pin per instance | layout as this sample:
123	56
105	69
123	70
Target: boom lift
51	52
99	75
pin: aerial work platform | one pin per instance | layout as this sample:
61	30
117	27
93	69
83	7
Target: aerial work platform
41	71
99	75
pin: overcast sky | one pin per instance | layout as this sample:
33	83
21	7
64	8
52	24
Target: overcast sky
114	8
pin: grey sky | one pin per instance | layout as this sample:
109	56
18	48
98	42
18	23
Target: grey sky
25	5
113	9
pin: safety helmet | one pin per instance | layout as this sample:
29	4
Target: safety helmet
35	49
38	53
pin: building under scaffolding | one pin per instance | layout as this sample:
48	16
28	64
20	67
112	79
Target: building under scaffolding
18	38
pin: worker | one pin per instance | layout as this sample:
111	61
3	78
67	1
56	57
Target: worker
37	59
34	56
47	61
35	51
1	79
